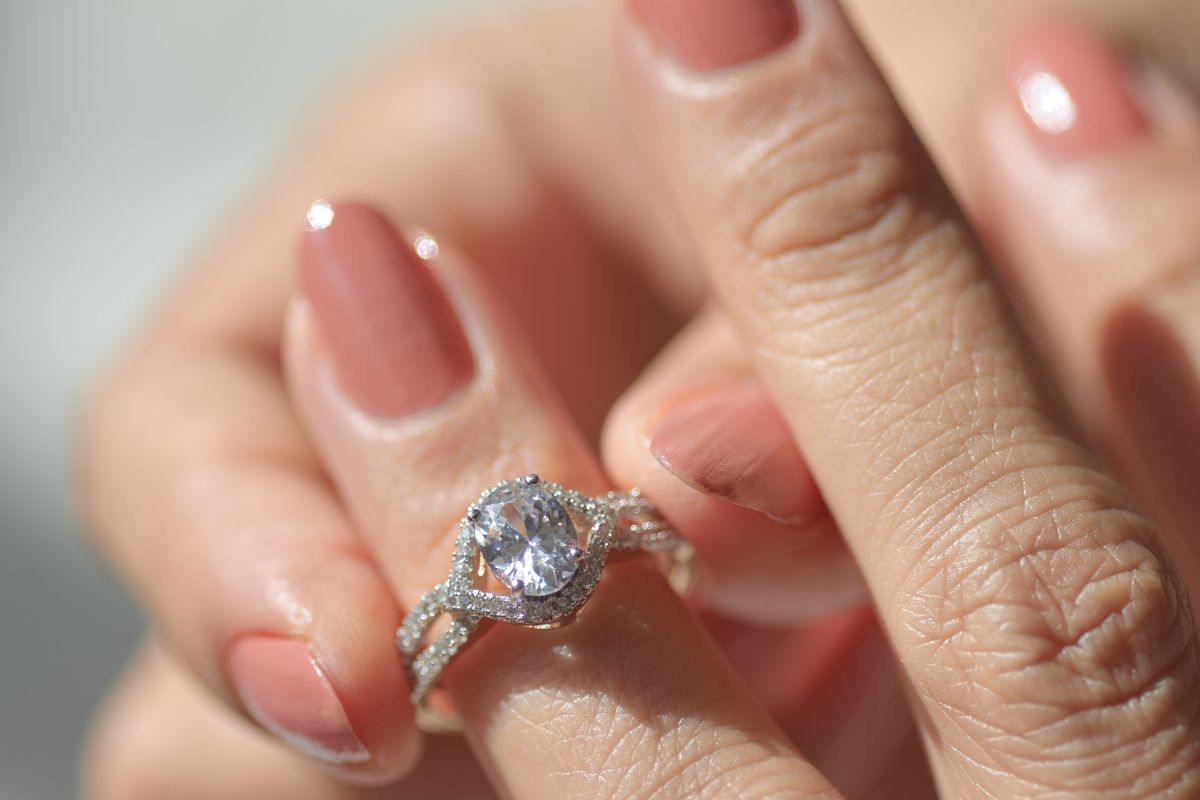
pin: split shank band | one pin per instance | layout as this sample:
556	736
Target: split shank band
547	546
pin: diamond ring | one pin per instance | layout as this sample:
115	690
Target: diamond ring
527	553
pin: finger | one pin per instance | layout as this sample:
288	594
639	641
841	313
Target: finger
160	734
699	435
630	700
193	428
769	555
506	104
204	491
1031	605
1095	170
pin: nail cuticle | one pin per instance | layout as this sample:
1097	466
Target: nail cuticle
711	35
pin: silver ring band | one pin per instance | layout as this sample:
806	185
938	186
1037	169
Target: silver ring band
527	533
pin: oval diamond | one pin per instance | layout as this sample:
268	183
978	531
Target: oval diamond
527	539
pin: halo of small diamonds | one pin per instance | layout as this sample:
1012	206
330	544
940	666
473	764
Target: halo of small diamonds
462	596
617	521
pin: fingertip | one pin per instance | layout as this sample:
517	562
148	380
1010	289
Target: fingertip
698	420
768	552
731	442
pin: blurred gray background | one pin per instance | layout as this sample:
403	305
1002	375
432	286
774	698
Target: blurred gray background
126	127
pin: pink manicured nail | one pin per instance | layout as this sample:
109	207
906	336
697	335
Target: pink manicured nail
1072	89
714	34
283	689
397	346
734	444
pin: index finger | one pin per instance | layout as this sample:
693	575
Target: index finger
626	699
1047	636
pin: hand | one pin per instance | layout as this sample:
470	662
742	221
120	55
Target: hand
195	434
614	437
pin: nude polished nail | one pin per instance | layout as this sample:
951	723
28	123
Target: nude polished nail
705	35
1072	89
396	343
283	690
734	444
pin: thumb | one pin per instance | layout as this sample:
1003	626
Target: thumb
993	545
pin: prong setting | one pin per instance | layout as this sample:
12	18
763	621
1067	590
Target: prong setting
617	521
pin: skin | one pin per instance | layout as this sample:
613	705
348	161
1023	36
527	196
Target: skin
204	396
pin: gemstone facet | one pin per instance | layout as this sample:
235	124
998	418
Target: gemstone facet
527	539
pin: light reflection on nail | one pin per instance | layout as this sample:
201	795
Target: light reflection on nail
426	247
1047	102
319	216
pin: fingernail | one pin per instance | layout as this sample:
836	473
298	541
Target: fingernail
707	35
396	343
1073	90
283	689
735	445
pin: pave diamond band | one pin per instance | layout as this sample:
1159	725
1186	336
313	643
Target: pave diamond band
544	547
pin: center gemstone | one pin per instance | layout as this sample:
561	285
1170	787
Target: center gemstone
527	539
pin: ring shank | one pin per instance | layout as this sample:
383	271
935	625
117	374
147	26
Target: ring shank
634	525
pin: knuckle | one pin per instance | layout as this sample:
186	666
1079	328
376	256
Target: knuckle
1175	287
1061	642
100	404
102	421
127	777
114	445
455	120
839	223
833	201
120	757
824	182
